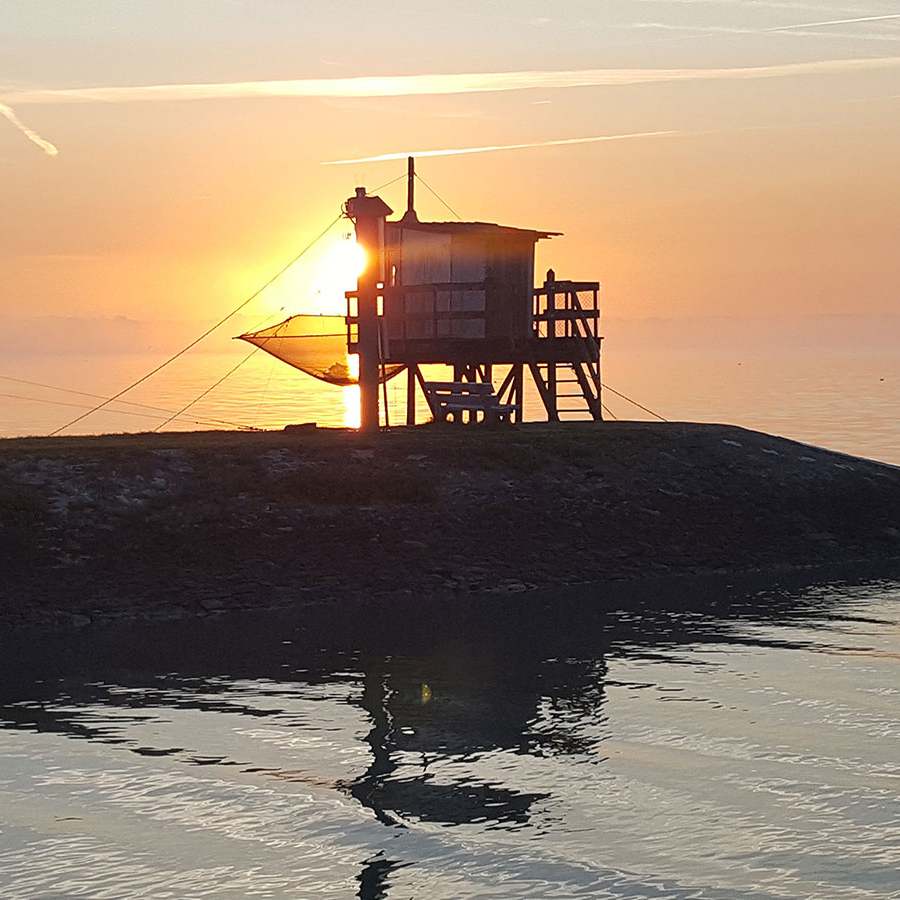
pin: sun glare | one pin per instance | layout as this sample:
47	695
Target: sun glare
356	258
351	394
318	284
336	274
344	259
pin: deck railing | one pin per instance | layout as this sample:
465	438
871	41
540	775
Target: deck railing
456	310
428	311
567	309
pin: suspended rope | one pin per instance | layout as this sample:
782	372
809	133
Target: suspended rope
209	420
606	387
228	374
125	412
264	321
436	194
53	387
205	334
608	411
158	409
265	391
209	390
381	187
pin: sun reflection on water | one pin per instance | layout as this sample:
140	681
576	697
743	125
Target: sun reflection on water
351	398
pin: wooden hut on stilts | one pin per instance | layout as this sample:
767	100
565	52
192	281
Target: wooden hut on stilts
462	294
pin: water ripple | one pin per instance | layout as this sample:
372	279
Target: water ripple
668	755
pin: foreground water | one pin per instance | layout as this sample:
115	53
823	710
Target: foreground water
738	742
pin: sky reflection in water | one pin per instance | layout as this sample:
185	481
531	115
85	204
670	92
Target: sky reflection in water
747	752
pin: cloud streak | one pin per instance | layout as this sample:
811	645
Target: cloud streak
832	22
426	85
779	5
443	84
457	151
32	136
805	29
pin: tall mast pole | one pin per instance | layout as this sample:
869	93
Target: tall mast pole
410	214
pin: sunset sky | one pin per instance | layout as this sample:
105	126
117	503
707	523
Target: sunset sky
160	160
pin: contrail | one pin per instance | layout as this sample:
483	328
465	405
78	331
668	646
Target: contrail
832	22
765	4
442	84
490	149
32	136
712	31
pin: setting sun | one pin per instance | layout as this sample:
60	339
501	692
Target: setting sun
317	283
336	274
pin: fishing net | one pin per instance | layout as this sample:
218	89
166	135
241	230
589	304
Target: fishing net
316	345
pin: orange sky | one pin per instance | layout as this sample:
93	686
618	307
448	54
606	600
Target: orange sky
774	189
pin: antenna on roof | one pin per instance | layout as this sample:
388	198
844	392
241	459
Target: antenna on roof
410	214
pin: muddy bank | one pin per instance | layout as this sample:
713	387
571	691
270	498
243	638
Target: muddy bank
188	524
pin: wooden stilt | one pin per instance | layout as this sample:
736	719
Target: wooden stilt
507	385
519	384
411	371
547	399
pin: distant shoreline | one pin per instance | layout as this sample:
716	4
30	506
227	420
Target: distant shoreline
166	526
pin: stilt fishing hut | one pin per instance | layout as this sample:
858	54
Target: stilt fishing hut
460	294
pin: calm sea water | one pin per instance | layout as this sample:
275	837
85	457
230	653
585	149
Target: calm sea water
846	399
694	740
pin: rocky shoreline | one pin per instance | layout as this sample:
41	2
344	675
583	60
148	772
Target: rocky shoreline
163	526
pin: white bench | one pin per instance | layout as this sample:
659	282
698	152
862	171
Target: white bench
449	400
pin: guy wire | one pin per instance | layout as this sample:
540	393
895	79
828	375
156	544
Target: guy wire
436	194
205	334
207	391
126	412
606	387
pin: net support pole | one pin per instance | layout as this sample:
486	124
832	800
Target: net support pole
368	215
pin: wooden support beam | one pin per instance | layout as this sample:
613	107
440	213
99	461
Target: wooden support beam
593	401
508	385
411	371
421	382
549	403
519	385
